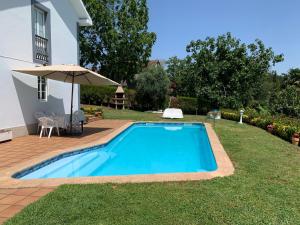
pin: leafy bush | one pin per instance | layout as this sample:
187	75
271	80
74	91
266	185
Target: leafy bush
260	122
93	95
230	116
131	98
91	110
287	101
188	105
284	131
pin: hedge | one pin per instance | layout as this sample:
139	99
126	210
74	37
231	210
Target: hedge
92	95
91	109
283	127
187	104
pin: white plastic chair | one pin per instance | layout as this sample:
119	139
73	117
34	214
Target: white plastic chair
78	120
50	114
80	115
48	123
38	115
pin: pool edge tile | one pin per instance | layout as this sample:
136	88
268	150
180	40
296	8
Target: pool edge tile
225	166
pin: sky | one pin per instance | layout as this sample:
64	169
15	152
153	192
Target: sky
275	22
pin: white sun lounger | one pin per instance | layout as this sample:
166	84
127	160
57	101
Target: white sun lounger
173	113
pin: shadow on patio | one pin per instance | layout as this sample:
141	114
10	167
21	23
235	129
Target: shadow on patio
28	147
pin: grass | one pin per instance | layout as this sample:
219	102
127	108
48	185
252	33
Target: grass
263	190
110	113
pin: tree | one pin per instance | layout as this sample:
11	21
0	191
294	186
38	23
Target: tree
287	99
292	78
223	72
181	76
151	88
118	44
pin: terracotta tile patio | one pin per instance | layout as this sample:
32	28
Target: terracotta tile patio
14	200
25	148
22	149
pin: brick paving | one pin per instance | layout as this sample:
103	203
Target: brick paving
27	147
13	200
22	149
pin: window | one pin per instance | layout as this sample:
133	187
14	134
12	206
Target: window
41	34
39	22
42	89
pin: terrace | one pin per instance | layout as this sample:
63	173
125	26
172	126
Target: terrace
29	148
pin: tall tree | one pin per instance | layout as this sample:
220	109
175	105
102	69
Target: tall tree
292	78
287	99
181	76
118	45
223	72
151	88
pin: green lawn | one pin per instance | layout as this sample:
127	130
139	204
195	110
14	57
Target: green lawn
265	189
139	116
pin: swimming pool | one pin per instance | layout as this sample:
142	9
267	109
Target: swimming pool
143	148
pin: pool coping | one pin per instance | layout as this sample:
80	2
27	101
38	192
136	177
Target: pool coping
225	166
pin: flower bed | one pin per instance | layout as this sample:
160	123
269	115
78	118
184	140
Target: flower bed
92	110
281	126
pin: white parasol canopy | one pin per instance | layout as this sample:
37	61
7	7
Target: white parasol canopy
70	74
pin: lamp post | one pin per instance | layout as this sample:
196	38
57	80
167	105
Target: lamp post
241	116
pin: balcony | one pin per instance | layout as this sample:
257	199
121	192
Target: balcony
41	49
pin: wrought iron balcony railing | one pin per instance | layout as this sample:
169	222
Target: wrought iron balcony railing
41	49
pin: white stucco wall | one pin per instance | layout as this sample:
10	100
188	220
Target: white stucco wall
18	92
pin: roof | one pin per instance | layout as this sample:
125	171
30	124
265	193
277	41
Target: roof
120	90
154	63
83	15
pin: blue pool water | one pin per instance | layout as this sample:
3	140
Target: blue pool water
143	148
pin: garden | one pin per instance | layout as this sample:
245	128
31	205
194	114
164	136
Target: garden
278	112
263	190
217	74
287	128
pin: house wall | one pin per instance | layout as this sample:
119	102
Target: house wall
18	92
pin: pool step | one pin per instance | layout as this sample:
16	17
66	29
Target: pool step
62	167
92	165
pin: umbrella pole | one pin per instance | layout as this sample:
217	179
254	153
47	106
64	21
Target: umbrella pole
71	113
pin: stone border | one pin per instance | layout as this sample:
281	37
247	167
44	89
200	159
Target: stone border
225	167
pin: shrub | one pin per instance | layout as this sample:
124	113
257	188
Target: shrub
234	116
93	95
287	101
284	131
131	98
260	122
188	105
91	110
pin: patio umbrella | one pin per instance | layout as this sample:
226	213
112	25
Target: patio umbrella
71	74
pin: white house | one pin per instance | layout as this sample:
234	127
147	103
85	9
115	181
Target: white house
36	32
